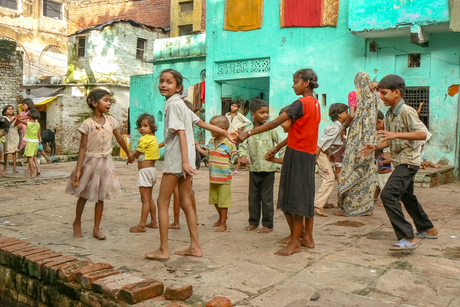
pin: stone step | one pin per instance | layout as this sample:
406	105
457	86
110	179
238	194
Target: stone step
433	177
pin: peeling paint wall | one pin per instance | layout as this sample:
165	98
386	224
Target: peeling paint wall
110	54
10	74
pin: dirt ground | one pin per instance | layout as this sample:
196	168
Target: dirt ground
351	254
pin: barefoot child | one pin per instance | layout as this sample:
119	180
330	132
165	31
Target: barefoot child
426	163
383	160
179	153
94	176
222	154
261	172
147	153
238	122
297	184
32	138
330	143
403	133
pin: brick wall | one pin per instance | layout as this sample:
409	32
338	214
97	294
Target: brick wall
203	16
11	65
86	13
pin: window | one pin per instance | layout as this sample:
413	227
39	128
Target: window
186	6
414	97
140	50
81	41
413	60
11	4
52	9
323	100
185	30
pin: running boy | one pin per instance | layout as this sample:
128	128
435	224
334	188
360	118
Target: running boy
331	142
221	153
403	134
261	172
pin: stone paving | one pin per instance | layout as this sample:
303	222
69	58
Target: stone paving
351	256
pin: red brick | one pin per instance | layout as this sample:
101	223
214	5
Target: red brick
6	251
176	304
67	272
178	292
111	286
91	268
27	262
19	256
36	266
88	279
219	301
56	263
6	241
141	291
91	299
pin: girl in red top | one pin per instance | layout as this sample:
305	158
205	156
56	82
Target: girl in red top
297	185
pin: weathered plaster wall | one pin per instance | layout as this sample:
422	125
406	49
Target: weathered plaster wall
390	14
86	13
110	55
10	74
34	32
194	17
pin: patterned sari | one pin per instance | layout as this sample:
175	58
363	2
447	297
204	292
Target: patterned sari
357	178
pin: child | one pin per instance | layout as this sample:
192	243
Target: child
237	123
179	153
330	143
32	138
425	162
221	153
147	153
261	172
4	127
27	106
403	133
297	185
383	160
94	176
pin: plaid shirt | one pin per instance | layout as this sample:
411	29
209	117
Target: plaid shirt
255	148
404	119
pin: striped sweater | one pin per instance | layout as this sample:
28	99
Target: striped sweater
220	157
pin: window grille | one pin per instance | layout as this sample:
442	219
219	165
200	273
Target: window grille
81	46
185	30
11	4
53	49
414	96
140	50
52	9
413	60
186	6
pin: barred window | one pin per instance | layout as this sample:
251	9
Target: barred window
186	6
414	97
140	50
11	4
185	30
81	46
52	9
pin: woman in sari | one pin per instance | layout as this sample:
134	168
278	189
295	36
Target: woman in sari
357	177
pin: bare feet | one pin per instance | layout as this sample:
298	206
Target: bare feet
152	225
174	226
289	250
320	212
331	205
98	234
339	213
437	165
195	252
309	243
137	228
221	228
15	170
369	214
285	240
216	224
159	254
38	173
77	233
32	175
250	227
265	230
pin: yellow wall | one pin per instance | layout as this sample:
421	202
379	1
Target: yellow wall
179	19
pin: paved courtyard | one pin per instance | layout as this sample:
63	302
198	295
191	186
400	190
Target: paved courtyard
351	254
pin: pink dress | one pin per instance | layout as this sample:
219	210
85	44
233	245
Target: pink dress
98	180
23	116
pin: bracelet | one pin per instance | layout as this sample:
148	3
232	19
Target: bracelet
249	132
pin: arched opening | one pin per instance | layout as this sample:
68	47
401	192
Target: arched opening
53	61
26	59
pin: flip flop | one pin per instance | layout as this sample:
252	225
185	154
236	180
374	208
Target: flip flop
424	234
403	245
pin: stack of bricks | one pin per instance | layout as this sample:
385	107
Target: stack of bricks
37	276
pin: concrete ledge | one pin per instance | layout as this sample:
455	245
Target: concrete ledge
433	177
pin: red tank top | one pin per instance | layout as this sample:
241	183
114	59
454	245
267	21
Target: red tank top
303	134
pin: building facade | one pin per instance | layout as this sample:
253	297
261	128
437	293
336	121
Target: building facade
187	17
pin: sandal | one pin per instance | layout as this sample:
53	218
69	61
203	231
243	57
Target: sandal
425	235
403	245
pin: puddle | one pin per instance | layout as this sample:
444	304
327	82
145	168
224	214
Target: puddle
452	252
380	235
348	223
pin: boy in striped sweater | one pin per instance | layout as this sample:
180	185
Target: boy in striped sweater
221	154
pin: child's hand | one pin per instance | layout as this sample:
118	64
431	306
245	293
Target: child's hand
243	135
197	146
243	161
364	152
269	155
130	158
187	169
76	180
387	135
380	163
230	137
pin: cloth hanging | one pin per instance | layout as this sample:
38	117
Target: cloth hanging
196	97
203	92
243	15
317	13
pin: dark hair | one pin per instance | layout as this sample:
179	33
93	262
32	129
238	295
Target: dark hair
380	115
94	96
34	114
177	76
221	120
283	110
393	83
188	104
335	109
256	104
6	108
378	152
29	103
306	75
150	120
235	102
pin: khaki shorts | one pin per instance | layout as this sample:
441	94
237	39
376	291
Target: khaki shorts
382	180
220	195
147	177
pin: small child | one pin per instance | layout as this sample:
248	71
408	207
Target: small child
383	160
237	122
32	138
403	133
261	172
330	143
425	162
94	177
147	153
221	154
